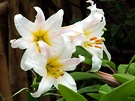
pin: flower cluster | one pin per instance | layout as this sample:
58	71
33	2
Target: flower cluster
49	47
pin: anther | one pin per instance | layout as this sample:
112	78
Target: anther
90	45
93	38
98	41
98	47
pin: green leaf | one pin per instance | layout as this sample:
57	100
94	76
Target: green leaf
61	99
131	69
83	75
93	88
55	94
1	97
130	22
122	68
69	94
131	37
107	63
121	77
114	29
93	95
120	93
131	99
81	51
104	90
29	97
131	13
132	59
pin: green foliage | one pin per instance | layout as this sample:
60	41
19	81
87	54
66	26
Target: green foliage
1	97
104	90
107	63
131	13
29	97
69	94
81	51
88	89
83	76
120	93
121	77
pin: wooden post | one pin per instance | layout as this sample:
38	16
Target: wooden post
18	77
5	88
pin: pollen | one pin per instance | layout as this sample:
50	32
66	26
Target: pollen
97	46
38	47
89	44
98	41
93	38
53	69
94	42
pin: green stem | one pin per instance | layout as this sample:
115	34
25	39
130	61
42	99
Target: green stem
132	59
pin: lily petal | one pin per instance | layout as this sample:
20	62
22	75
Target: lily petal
40	18
96	63
53	24
45	49
95	51
24	27
67	81
38	63
62	48
71	64
32	49
23	60
67	48
20	43
107	53
44	85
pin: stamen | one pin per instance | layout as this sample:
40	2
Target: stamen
56	77
98	41
55	72
93	38
38	48
90	45
98	47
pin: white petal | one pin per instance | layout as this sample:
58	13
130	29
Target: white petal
67	81
53	24
44	86
24	27
20	43
32	50
72	63
67	48
96	63
107	53
40	18
62	47
38	63
23	60
45	49
95	51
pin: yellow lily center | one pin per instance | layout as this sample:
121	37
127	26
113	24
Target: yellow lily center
53	69
41	35
94	42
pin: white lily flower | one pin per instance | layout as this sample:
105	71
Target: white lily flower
88	33
38	36
53	70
